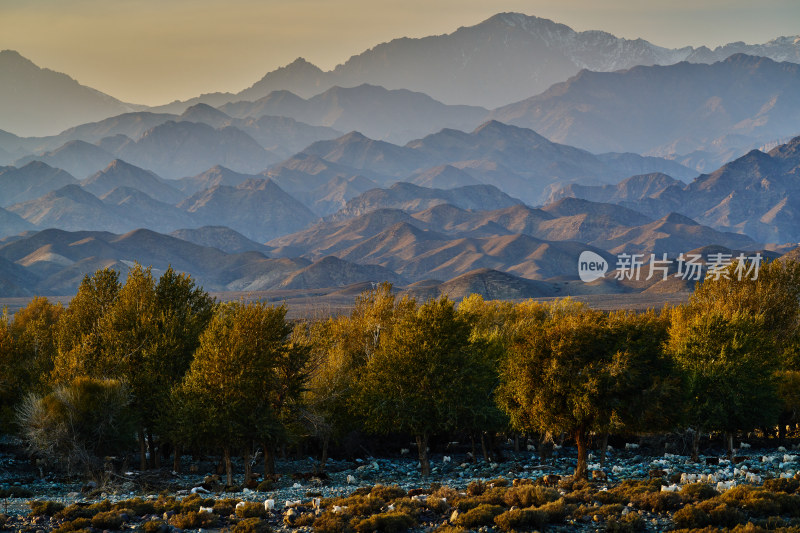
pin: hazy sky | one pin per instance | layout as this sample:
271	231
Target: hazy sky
155	51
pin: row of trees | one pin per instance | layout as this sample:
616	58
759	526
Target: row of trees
162	361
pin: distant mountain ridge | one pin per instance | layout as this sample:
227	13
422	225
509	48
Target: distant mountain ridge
697	111
528	53
39	101
757	194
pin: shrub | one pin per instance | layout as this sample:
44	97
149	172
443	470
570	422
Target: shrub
726	516
520	519
658	502
691	517
476	488
359	504
251	510
330	522
781	485
447	528
225	507
265	486
414	507
138	506
46	508
530	495
482	515
556	511
107	520
79	423
193	520
251	525
193	502
629	523
391	522
78	524
697	492
155	526
304	520
386	493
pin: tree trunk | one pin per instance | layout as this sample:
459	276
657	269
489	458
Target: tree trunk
155	460
582	440
603	448
226	455
474	449
483	447
324	457
516	442
176	462
422	445
248	467
269	460
142	451
729	445
696	446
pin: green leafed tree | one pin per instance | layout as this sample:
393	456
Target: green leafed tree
339	350
78	337
421	378
226	398
729	364
576	370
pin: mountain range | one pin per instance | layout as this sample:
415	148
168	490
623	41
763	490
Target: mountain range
706	112
528	53
483	160
756	194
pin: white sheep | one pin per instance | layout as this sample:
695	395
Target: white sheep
722	486
269	505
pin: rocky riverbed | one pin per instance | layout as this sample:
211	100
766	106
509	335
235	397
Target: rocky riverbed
457	486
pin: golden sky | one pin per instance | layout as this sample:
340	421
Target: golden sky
155	51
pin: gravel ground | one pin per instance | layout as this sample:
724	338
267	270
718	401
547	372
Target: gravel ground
457	471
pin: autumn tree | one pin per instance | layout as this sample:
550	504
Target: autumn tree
182	312
339	350
738	330
421	378
729	364
78	337
227	396
491	324
577	370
